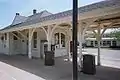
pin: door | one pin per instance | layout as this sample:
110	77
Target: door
60	44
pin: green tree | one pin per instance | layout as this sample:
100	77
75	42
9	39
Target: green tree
115	34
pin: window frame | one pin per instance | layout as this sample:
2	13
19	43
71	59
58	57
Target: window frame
62	39
35	40
5	36
59	40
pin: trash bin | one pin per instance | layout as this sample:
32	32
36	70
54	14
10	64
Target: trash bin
89	66
49	58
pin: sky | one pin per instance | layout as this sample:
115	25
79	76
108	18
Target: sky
8	8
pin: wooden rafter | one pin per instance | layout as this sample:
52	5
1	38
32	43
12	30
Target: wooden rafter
15	35
22	34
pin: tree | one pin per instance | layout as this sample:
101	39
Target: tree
115	34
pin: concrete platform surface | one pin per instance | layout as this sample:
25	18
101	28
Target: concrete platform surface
19	67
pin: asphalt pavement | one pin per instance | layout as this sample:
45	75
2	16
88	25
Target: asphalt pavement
19	67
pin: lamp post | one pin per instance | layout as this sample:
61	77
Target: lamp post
74	37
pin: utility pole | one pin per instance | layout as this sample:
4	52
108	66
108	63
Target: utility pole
74	37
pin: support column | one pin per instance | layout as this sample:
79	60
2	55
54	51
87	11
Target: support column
30	44
83	38
81	33
49	38
68	50
98	35
68	44
8	43
94	43
80	44
111	43
98	40
49	44
48	31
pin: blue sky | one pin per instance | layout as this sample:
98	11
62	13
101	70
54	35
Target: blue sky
8	8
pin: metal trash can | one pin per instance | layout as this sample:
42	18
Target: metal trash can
49	58
89	66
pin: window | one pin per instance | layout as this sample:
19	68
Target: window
96	43
114	43
63	40
60	39
5	36
104	43
91	43
27	35
109	43
2	38
35	40
57	38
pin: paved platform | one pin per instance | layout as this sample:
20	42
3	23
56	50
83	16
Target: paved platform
21	68
109	57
